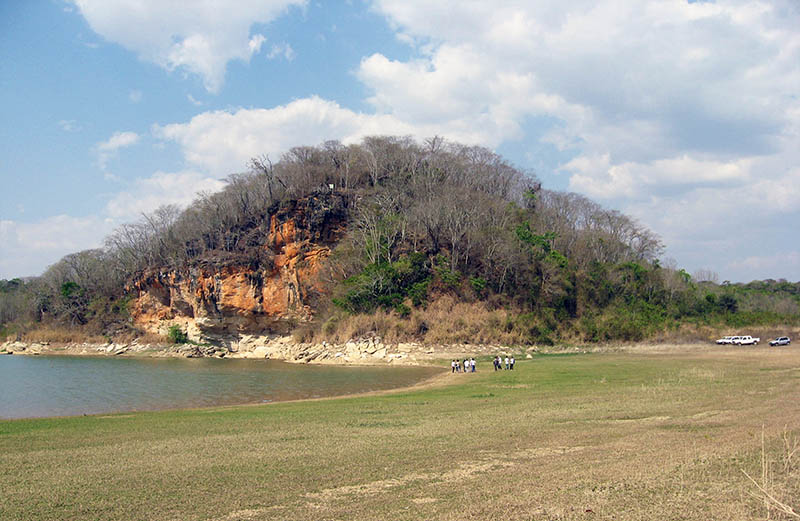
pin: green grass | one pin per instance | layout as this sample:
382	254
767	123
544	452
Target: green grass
624	436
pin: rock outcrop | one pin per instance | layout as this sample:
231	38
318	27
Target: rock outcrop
219	302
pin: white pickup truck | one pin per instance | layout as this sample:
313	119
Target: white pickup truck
748	340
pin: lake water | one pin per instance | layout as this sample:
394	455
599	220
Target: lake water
39	386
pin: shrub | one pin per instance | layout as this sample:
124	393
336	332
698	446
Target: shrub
450	278
386	285
176	335
402	310
478	284
330	325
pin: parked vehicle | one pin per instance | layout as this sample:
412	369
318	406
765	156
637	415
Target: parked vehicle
748	340
780	341
736	340
725	340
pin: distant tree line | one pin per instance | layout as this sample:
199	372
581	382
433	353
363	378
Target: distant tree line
424	219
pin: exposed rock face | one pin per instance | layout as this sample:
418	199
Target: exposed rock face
221	302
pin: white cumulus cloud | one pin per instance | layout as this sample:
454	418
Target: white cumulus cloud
198	37
105	150
282	50
146	194
26	249
222	142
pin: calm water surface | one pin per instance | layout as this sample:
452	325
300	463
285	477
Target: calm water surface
37	386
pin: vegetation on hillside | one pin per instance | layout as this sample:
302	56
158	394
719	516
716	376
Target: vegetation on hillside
431	226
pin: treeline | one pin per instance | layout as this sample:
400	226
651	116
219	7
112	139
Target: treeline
426	220
82	290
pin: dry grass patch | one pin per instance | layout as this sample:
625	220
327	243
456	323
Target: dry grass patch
777	486
445	320
54	334
60	335
561	437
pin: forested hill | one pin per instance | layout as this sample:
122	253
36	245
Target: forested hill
431	241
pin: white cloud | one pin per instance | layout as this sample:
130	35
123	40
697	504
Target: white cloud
135	96
692	77
28	248
105	150
599	178
221	142
783	261
69	125
255	43
723	226
146	194
118	140
284	49
198	37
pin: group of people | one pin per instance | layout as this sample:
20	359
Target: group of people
467	365
498	363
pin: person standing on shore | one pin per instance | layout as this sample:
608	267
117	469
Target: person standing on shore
472	364
512	363
453	366
506	362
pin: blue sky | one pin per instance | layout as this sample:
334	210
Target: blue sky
683	115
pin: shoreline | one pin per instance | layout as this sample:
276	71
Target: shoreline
367	351
370	352
438	379
442	378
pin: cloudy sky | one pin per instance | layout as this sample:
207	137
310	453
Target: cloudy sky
685	115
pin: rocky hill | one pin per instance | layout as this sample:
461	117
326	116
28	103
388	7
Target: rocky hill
431	243
222	303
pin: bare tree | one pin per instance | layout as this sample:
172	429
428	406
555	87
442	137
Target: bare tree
264	171
706	275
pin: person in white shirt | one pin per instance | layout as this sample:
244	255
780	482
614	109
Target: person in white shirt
506	362
472	364
512	362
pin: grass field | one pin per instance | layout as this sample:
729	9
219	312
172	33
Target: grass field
660	435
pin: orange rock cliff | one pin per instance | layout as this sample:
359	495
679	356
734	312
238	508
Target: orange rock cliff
222	301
